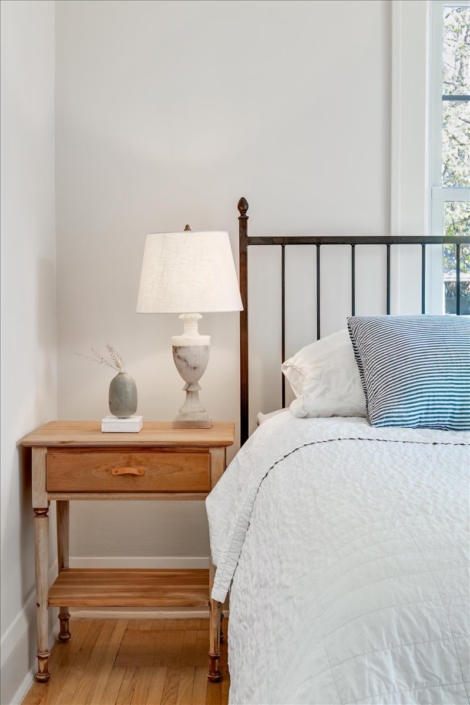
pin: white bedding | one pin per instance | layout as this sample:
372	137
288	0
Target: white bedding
348	547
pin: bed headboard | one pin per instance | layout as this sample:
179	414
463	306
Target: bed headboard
245	241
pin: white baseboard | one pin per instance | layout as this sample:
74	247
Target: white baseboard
22	622
18	650
27	681
24	687
171	562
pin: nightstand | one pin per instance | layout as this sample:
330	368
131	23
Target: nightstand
75	461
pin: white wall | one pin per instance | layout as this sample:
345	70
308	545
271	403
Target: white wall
28	308
167	113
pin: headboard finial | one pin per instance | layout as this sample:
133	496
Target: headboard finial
243	206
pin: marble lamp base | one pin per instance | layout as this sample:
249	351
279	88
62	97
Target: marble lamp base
186	423
191	356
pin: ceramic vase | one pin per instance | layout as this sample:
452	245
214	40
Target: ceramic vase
122	396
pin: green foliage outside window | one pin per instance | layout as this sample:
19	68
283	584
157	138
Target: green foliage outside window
456	141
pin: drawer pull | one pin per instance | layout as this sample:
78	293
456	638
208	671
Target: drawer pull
128	471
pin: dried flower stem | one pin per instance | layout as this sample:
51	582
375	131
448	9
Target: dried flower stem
115	362
115	357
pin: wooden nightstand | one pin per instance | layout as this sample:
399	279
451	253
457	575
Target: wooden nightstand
75	460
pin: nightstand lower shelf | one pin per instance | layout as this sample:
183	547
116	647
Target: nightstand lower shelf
130	588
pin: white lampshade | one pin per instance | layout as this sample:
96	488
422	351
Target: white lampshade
188	272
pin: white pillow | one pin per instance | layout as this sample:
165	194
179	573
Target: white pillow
261	418
325	378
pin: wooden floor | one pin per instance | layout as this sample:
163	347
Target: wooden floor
138	662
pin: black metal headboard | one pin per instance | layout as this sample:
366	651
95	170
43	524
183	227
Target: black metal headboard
245	241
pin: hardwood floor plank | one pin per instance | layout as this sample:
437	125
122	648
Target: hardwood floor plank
127	687
198	695
160	646
134	624
88	679
79	664
214	694
174	645
170	690
155	694
137	649
185	688
188	650
33	696
113	686
103	672
143	680
79	632
158	624
146	624
202	647
224	688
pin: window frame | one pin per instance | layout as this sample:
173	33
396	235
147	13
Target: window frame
417	194
440	194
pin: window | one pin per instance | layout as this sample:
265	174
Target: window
450	145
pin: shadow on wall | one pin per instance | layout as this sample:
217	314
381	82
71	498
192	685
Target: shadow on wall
45	330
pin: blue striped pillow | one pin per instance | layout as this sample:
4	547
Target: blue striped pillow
415	370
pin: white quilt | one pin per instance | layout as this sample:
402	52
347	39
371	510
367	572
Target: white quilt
348	548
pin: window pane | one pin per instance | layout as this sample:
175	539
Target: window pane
457	222
456	51
456	143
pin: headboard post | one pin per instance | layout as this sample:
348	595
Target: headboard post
243	273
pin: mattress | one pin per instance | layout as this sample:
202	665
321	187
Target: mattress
346	548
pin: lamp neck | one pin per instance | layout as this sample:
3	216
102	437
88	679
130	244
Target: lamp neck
190	324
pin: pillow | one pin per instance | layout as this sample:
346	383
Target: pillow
297	368
415	370
261	418
326	378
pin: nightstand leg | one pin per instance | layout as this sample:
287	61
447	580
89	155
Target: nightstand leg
215	614
41	531
63	521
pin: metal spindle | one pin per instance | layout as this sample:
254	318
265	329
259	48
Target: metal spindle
457	279
318	292
353	280
244	379
388	280
283	324
423	278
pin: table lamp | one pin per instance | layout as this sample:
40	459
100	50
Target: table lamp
189	273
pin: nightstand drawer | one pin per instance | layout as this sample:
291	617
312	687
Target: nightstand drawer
127	471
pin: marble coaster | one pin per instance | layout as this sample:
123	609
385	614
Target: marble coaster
111	424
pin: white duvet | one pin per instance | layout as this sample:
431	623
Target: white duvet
348	548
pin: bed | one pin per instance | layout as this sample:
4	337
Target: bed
345	548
